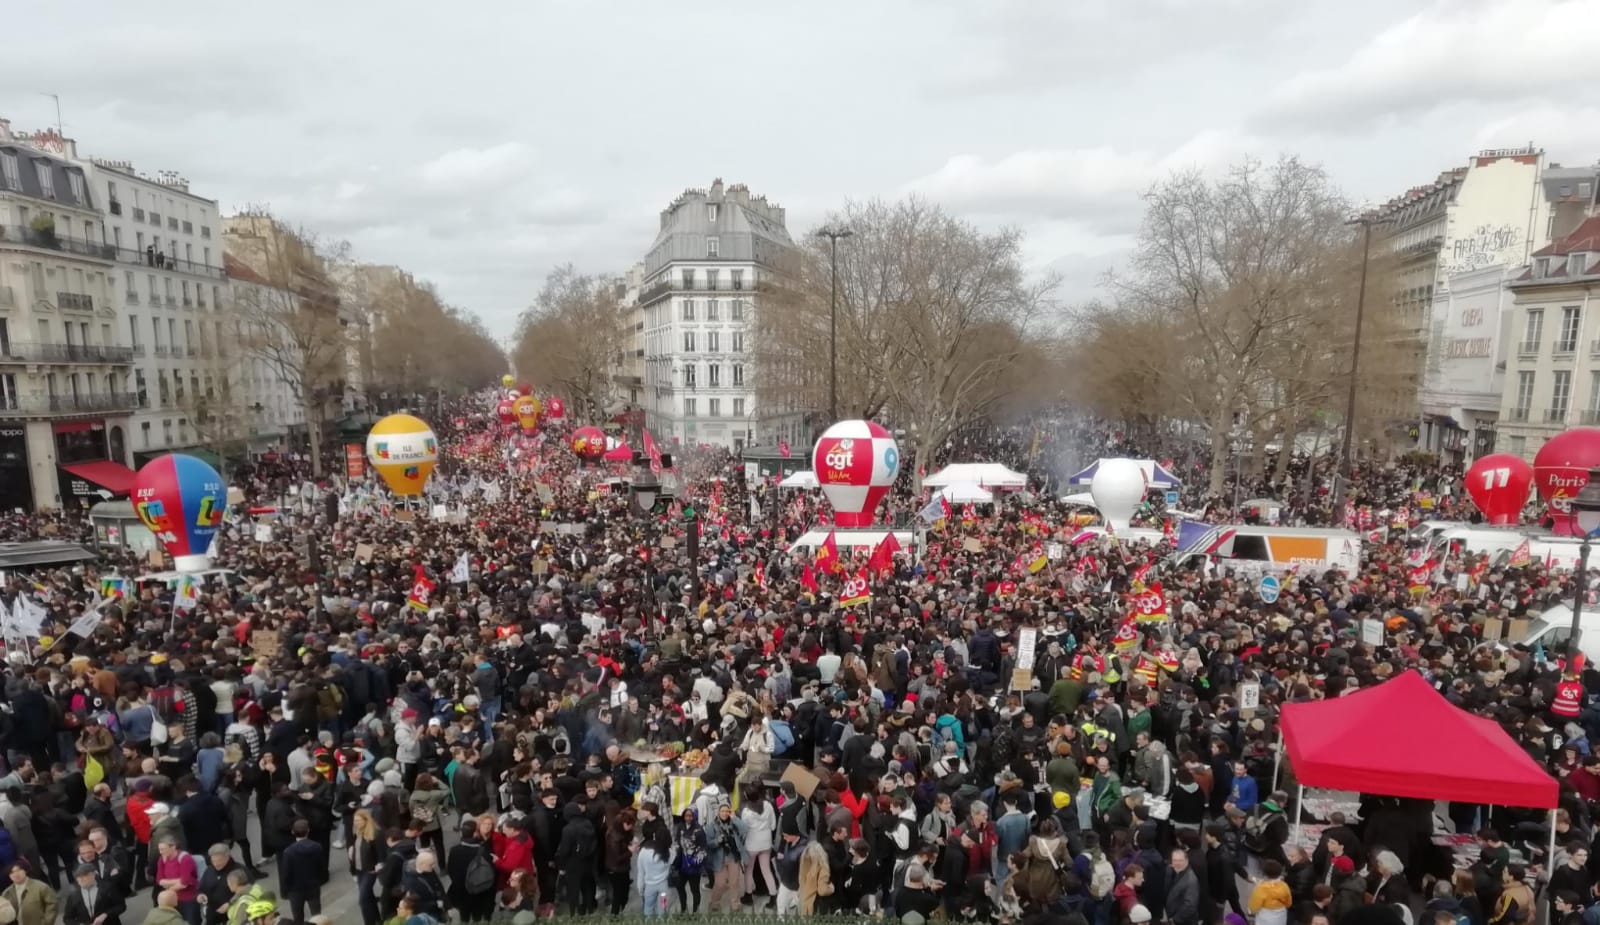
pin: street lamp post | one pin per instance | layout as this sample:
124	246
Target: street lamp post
1586	509
1347	461
833	235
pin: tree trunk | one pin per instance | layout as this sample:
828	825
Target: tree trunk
1219	452
314	432
1291	433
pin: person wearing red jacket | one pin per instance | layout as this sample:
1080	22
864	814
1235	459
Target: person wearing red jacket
857	807
139	820
1127	891
979	840
513	851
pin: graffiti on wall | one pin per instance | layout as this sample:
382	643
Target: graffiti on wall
1485	246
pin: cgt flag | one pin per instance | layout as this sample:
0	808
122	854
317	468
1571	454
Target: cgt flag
1150	605
856	590
421	591
827	557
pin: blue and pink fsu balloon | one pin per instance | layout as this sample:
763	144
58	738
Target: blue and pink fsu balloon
181	500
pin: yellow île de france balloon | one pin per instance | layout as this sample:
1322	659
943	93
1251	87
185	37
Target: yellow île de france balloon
403	449
507	379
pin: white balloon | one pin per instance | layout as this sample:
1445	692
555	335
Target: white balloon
1117	488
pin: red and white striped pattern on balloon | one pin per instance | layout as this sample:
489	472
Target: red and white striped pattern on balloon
855	463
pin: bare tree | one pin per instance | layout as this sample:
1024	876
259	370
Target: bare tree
939	325
292	323
570	339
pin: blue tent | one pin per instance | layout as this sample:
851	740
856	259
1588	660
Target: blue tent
1155	474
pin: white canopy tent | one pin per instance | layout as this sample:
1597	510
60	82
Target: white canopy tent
851	538
1082	499
984	475
965	493
805	478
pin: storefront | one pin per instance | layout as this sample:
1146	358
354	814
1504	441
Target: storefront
85	472
16	486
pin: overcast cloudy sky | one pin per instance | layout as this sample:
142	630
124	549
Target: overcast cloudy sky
478	144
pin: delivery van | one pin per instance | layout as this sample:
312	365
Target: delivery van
1553	628
1281	548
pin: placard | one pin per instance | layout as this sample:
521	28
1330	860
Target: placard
364	552
1268	589
1054	550
1249	696
404	516
805	783
439	511
266	644
539	566
263	533
669	542
1517	631
971	545
1372	632
1494	629
546	495
1022	679
355	461
156	559
1027	639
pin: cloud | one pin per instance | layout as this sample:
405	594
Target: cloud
1568	136
1096	186
1452	53
476	166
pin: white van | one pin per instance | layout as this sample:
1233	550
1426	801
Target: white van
210	576
1554	627
1278	549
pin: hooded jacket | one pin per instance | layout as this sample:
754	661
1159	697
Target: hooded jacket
579	840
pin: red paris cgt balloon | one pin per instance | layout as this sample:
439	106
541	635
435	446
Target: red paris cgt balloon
1499	485
1561	469
506	411
589	442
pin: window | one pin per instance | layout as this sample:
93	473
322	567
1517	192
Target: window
166	432
689	409
711	310
738	278
738	407
711	212
688	310
177	387
1533	330
688	279
689	376
1518	445
162	388
9	175
1524	395
1576	264
155	332
1560	395
1593	414
8	392
714	376
172	331
738	342
1585	189
75	180
716	408
688	342
713	247
188	334
140	387
737	310
1571	321
738	375
47	178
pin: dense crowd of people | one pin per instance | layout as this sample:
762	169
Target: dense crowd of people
549	700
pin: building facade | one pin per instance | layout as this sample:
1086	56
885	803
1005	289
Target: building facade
1553	370
168	245
698	305
1448	250
65	393
269	408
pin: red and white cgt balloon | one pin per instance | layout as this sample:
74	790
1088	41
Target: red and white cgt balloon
855	463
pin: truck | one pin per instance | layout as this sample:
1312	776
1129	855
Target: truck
1267	548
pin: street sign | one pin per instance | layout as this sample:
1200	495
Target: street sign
1172	499
1268	589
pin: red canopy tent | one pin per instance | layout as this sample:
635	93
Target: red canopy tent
1403	739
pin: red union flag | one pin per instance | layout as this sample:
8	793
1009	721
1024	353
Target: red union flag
1150	605
654	452
856	590
783	448
421	592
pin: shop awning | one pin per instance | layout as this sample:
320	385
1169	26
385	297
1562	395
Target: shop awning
112	476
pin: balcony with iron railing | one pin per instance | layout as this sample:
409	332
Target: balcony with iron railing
1518	415
1528	347
38	405
37	352
172	301
1555	415
162	350
155	260
50	240
74	301
1592	416
700	286
1565	347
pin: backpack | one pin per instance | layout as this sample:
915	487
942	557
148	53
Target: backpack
480	876
1102	877
1255	829
167	704
330	702
782	737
